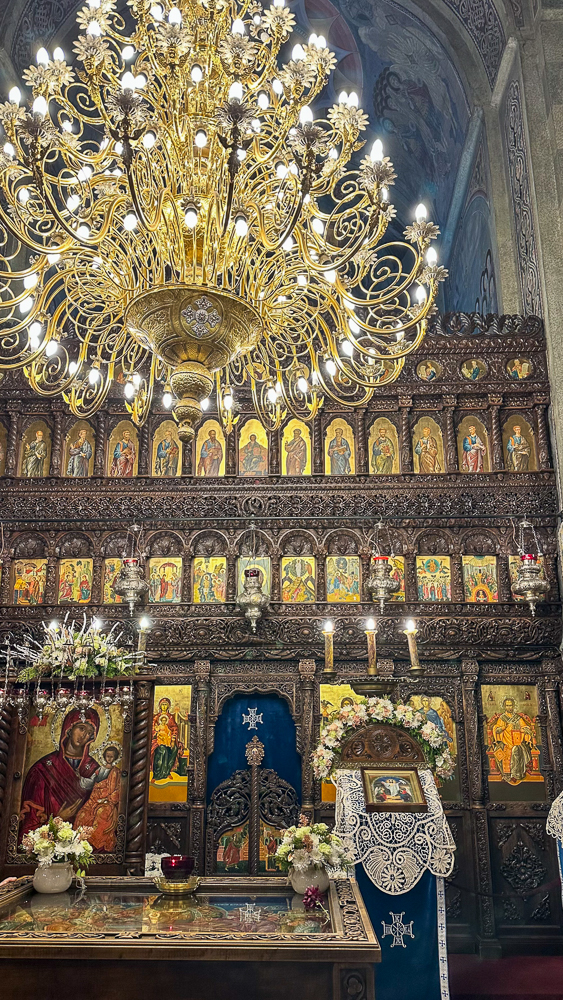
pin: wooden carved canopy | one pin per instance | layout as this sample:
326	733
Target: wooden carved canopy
381	743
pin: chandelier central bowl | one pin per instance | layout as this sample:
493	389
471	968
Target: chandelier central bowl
196	331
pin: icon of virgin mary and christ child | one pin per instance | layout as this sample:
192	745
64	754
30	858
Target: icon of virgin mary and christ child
70	783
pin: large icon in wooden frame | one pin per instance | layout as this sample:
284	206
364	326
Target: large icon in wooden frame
393	789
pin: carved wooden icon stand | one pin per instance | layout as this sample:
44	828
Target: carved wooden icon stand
389	758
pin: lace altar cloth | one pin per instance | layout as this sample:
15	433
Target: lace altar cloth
554	825
395	848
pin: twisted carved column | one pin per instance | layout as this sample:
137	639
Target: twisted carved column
188	458
51	581
411	582
139	779
275	449
543	440
13	440
495	402
449	434
307	677
57	446
144	456
317	446
321	574
197	811
405	445
231	462
231	594
97	580
5	728
361	449
100	450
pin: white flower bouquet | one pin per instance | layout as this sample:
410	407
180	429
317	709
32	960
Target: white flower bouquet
57	841
71	651
314	846
341	725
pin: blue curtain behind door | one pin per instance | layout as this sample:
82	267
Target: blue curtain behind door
276	732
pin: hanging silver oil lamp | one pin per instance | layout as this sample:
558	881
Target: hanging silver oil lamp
251	599
380	583
530	583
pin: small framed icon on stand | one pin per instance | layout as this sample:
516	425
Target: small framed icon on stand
393	789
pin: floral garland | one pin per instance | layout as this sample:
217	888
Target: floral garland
343	722
78	652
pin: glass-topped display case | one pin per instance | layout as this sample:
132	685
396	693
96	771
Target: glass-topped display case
226	920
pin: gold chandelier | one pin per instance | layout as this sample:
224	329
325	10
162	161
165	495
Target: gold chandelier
173	214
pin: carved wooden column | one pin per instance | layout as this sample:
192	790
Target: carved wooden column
495	402
13	439
254	755
5	730
317	446
307	677
473	720
450	403
503	573
365	557
51	580
144	456
275	593
197	810
554	721
411	582
457	578
6	582
361	447
275	450
405	404
188	458
541	403
57	445
321	574
100	447
98	563
137	804
231	588
231	461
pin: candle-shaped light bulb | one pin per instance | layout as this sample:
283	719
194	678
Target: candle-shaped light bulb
371	633
411	632
420	213
376	154
328	632
410	626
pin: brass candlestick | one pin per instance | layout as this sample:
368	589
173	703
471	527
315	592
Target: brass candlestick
411	633
371	633
328	632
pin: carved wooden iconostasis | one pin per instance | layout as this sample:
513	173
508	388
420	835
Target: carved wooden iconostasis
451	456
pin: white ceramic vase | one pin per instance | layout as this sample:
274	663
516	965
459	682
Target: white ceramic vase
56	877
310	876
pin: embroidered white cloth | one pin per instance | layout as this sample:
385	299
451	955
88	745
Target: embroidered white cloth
554	825
395	848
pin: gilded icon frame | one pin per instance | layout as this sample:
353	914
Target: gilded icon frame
400	774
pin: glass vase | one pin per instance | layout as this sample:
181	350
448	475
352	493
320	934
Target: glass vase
301	880
56	877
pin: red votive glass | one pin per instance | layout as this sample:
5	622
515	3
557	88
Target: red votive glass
177	867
